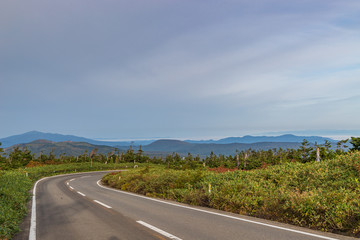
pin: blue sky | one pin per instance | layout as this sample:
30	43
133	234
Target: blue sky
179	69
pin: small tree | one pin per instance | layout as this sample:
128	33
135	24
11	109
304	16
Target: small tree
139	155
237	159
2	158
305	151
129	156
18	158
355	141
246	155
340	146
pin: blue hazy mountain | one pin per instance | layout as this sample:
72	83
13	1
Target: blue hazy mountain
159	148
38	142
54	137
256	139
203	149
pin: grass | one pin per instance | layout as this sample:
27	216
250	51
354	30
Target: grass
323	196
14	187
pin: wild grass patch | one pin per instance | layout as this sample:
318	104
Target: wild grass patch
319	195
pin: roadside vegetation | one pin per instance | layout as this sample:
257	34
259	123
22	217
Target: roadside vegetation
285	185
14	194
318	195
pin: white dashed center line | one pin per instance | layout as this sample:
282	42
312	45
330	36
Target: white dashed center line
158	230
81	193
103	204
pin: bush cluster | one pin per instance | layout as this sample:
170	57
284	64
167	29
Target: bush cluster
319	195
14	193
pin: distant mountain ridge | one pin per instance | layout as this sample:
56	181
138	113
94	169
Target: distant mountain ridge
159	148
204	149
35	135
68	148
54	137
256	139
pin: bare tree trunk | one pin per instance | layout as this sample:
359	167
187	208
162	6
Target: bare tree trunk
237	161
318	154
245	158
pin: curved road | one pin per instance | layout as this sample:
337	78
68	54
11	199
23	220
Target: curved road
77	206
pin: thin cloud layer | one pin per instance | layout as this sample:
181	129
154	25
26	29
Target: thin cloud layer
129	69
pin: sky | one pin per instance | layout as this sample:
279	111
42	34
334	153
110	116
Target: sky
197	69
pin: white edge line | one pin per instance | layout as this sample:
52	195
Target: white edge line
219	214
103	204
32	230
81	193
71	187
162	232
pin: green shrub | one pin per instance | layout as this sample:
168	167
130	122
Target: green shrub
319	195
14	193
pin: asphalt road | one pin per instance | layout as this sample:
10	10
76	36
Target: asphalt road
78	207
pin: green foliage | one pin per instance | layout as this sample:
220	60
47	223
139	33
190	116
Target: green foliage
320	195
155	182
340	146
14	193
175	161
355	141
17	158
2	157
305	151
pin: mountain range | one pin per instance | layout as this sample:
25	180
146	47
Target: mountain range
257	139
54	137
157	148
38	147
38	142
204	149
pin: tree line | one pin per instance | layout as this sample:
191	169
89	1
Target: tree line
242	160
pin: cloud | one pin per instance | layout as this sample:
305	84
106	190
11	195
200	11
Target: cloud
214	66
